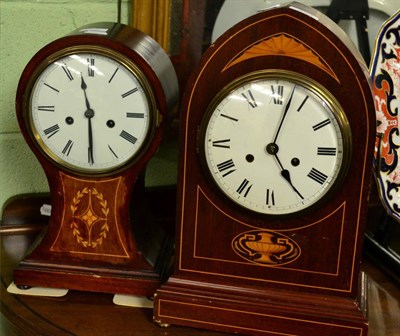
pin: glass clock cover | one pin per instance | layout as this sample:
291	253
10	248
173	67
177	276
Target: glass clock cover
90	112
275	144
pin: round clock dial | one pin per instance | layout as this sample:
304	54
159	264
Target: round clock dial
90	111
275	144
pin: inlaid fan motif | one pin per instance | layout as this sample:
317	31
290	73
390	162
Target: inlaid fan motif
285	45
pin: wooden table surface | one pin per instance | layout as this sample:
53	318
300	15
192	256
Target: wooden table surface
85	313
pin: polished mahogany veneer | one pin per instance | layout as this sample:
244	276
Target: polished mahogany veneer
309	281
93	238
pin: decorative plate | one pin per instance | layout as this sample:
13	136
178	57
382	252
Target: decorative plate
385	74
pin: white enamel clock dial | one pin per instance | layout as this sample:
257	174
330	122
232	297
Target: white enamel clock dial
90	112
274	144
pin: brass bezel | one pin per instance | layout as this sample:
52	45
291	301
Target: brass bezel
155	117
320	91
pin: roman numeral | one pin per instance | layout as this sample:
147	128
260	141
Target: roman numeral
250	100
112	76
67	72
244	188
277	94
128	137
317	176
90	67
222	143
302	104
227	166
128	93
113	153
51	130
68	147
229	117
330	151
46	108
51	87
270	197
321	124
134	115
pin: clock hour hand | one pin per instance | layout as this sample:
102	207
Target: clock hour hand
286	175
84	87
273	149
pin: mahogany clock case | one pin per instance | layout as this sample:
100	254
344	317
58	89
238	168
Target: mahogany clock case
212	285
89	242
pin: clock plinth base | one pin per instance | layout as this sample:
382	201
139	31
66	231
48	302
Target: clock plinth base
270	312
105	280
139	271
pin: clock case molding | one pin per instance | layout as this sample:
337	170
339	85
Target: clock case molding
113	261
322	290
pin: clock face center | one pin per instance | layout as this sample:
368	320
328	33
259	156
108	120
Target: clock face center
272	148
89	114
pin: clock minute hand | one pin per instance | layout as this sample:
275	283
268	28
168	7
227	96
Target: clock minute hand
89	114
90	148
284	114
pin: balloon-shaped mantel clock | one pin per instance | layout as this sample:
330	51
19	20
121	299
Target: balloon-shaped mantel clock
92	107
278	130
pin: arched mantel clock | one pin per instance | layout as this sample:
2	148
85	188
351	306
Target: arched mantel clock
92	107
277	140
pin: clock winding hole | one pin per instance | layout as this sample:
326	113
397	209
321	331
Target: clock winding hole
249	158
295	162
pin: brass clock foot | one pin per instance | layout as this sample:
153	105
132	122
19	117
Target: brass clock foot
24	287
162	325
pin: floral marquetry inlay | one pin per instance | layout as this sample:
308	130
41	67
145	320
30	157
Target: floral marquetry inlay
85	217
283	45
